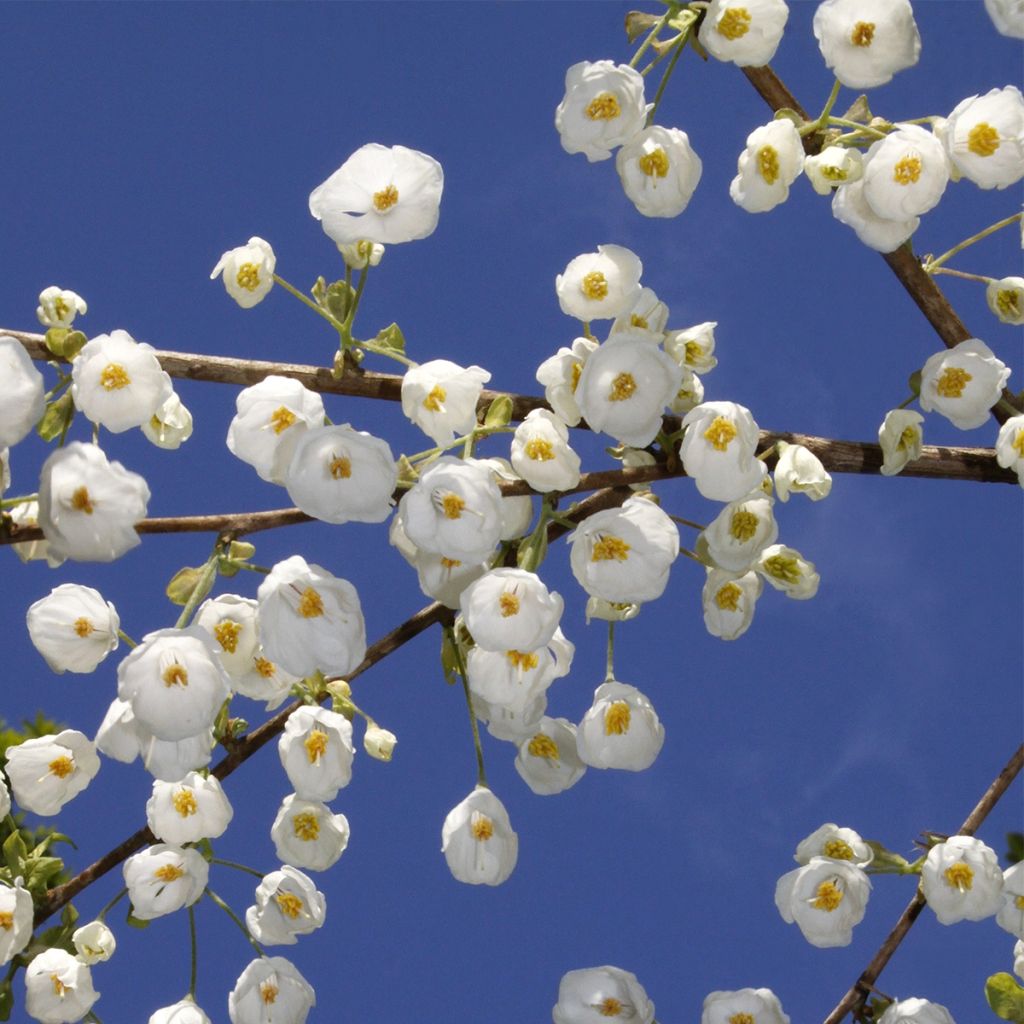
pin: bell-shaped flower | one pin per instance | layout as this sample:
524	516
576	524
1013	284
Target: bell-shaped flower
288	904
187	811
440	397
58	988
548	761
593	995
444	579
718	449
659	170
826	898
47	771
170	426
560	376
961	880
1010	446
271	416
799	471
362	254
94	943
248	272
511	609
621	729
231	622
162	879
984	137
610	611
379	743
477	840
308	835
316	752
58	307
16	912
1005	298
693	348
513	722
648	313
1007	16
513	679
834	843
832	167
603	108
740	532
850	207
729	602
516	509
865	42
88	507
541	454
905	173
73	628
185	1011
963	383
599	285
270	981
900	438
1010	915
689	395
744	32
744	1006
915	1011
380	194
310	619
771	162
22	388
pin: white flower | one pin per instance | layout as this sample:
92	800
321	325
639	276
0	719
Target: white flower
915	1011
771	163
834	843
624	388
1010	446
170	426
117	382
94	943
1007	16
850	207
5	799
341	475
729	602
659	170
73	628
799	471
288	904
270	981
984	137
185	1011
516	509
305	833
825	898
58	307
901	438
27	514
759	1005
599	285
745	32
454	509
162	879
961	880
248	272
593	995
88	507
560	375
477	840
547	760
379	743
963	383
362	254
718	450
171	760
623	555
603	107
1010	915
174	682
648	313
541	454
832	167
1006	299
271	417
316	752
511	609
865	42
740	532
512	722
48	771
513	680
58	988
380	194
689	395
620	730
444	579
694	347
310	619
905	173
185	812
231	622
16	912
440	397
1018	958
22	400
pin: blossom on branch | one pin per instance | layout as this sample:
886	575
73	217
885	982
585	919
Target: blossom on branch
48	771
599	285
826	898
963	383
620	730
593	995
745	32
961	880
984	137
22	400
772	161
659	171
745	1006
440	397
58	307
865	42
477	840
163	878
901	438
248	272
58	988
73	628
270	981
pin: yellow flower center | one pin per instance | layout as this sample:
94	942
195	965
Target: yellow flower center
175	675
385	198
768	164
281	419
340	467
609	1007
1018	902
728	597
60	307
227	633
481	826
655	163
62	766
169	873
616	718
59	988
1008	302
610	548
435	399
268	993
311	604
952	382
594	285
636	320
828	897
543	746
114	377
83	627
6	920
741	1018
81	502
524	661
720	433
509	605
863	33
907	439
734	23
248	277
693	351
907	171
290	904
743	525
316	745
622	388
265	668
185	803
838	850
539	450
1018	443
832	173
306	826
577	369
983	139
783	568
959	876
450	563
452	506
603	107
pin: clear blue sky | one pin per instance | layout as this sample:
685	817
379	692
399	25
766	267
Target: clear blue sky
141	141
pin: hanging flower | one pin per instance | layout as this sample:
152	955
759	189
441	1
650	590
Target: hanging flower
185	1011
865	42
694	347
905	173
162	879
73	628
548	761
963	383
48	771
270	981
740	532
603	108
316	752
834	843
826	898
915	1011
832	167
718	449
1007	16
477	840
170	426
440	397
1005	298
621	729
1010	446
248	272
745	32
306	834
541	454
593	995
799	471
16	910
58	988
901	438
984	137
194	808
729	602
772	161
599	285
511	609
288	904
961	880
94	943
58	307
560	375
850	207
659	171
759	1005
22	400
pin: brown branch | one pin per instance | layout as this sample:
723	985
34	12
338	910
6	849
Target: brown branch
861	988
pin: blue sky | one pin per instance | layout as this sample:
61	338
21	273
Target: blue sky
142	141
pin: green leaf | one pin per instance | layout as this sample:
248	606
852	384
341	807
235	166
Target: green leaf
391	337
1014	847
885	861
1006	997
499	412
859	111
449	659
183	583
914	383
136	922
15	852
639	22
319	290
57	418
338	300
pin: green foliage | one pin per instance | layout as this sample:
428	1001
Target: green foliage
1014	847
1006	997
57	418
183	584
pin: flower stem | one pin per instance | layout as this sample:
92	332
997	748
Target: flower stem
319	310
237	867
126	638
460	665
932	265
234	917
688	522
676	53
823	118
390	353
673	9
193	966
961	273
108	907
202	587
857	128
609	670
15	502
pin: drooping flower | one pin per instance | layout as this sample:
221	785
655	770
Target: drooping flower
593	995
511	609
771	162
379	743
541	454
170	426
865	42
560	374
58	988
905	173
16	912
740	532
440	397
308	835
694	347
1010	446
599	285
834	843
826	898
187	811
48	771
185	1011
659	170
832	167
620	730
1005	298
961	880
744	1006
73	628
1007	16
850	207
984	137
799	471
513	680
162	879
718	449
729	602
745	32
316	752
288	904
901	438
248	271
915	1011
362	254
58	307
1010	915
22	400
963	383
548	761
380	194
94	943
477	840
271	981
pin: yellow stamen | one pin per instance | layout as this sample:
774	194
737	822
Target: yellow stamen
720	433
734	23
248	276
655	163
509	604
833	173
743	525
316	745
306	826
603	107
623	387
175	675
311	604
828	897
266	669
741	1018
1018	443
1008	302
524	661
616	718
594	285
907	171
907	439
609	1007
768	164
83	627
62	766
481	826
983	139
81	502
281	419
959	876
952	382
435	399
60	307
268	993
728	597
340	467
782	568
452	506
290	904
863	33
608	548
59	988
577	369
6	920
838	850
169	873
185	803
636	320
227	632
385	199
1018	902
450	563
539	450
114	377
693	352
543	746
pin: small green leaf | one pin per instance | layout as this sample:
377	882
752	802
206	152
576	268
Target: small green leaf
15	852
786	113
241	550
1014	847
338	300
639	22
859	111
1006	997
391	337
57	418
914	383
136	922
319	290
407	474
885	861
6	999
449	659
183	583
499	412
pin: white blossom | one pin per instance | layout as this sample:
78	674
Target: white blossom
1010	446
1007	16
185	1011
48	771
478	841
961	880
963	383
900	437
162	879
73	628
288	904
22	400
740	532
541	454
16	911
58	307
548	761
270	981
648	313
834	843
718	449
826	898
26	514
865	42
620	730
440	397
729	602
170	426
560	374
1010	915
316	752
771	162
592	995
511	609
659	170
850	207
362	254
58	988
444	579
799	471
94	943
745	32
248	271
599	285
915	1011
984	137
689	395
754	1005
379	743
513	680
905	173
194	808
306	834
832	167
694	347
1005	298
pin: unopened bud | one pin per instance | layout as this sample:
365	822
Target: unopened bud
379	743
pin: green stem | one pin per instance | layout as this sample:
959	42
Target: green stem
676	53
194	959
864	129
346	327
57	388
609	661
653	34
476	434
932	265
319	310
815	126
233	563
963	274
108	907
122	635
460	665
390	353
202	587
688	522
237	867
906	402
692	556
234	917
15	502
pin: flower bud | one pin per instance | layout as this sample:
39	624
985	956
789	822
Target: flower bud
378	742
